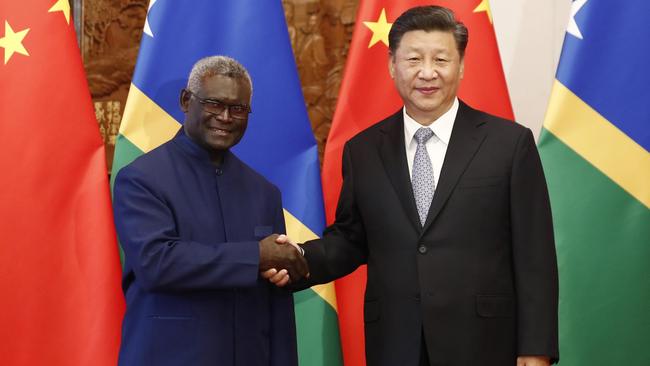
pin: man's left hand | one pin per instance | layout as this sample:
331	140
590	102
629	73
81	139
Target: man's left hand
533	361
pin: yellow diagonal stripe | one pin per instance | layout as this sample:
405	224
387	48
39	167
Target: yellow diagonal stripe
300	233
144	123
599	142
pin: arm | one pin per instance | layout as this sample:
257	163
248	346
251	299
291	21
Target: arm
157	255
343	245
533	247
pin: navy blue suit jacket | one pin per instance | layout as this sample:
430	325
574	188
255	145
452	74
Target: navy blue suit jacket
190	235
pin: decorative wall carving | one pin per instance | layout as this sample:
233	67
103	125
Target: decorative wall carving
320	34
110	38
110	32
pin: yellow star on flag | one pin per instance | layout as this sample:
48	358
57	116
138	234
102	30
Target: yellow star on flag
63	6
484	6
379	29
12	42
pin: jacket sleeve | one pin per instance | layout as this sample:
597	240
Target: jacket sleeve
283	325
343	246
159	259
533	246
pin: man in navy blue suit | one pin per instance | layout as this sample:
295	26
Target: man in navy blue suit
195	225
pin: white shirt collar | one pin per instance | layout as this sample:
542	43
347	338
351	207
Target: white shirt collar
441	127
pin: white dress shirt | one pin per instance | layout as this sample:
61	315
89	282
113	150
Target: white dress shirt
436	145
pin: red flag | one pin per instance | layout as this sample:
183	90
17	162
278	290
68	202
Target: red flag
368	95
59	261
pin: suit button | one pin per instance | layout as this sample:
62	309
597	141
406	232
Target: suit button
219	172
422	249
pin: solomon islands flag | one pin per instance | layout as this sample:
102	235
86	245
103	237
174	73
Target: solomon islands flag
278	143
595	149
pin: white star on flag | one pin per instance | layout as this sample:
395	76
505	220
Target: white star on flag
147	27
572	28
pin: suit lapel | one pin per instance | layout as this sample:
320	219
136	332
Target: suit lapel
393	155
465	140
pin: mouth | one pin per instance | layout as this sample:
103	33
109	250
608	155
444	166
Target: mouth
428	90
219	131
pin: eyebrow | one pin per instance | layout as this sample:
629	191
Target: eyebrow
419	49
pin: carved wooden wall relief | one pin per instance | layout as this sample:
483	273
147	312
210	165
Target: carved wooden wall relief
110	32
320	34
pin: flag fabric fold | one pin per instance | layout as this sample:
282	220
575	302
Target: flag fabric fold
278	143
59	262
368	95
595	145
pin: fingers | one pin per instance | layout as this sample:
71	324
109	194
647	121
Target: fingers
269	273
278	278
300	262
281	278
533	361
299	267
288	257
282	239
303	266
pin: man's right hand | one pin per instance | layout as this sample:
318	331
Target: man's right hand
274	255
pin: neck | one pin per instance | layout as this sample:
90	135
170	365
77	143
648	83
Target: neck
216	157
426	119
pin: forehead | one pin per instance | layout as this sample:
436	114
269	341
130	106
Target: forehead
425	41
225	87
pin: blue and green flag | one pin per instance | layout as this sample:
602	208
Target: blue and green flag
279	142
595	149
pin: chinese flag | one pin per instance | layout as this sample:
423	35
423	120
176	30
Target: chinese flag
368	95
59	262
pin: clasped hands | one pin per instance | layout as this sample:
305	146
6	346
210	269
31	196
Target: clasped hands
281	260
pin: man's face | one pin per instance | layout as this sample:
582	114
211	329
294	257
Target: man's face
427	70
216	132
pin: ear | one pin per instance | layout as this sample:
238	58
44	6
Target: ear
185	100
391	65
462	68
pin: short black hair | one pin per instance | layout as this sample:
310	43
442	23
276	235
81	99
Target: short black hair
428	18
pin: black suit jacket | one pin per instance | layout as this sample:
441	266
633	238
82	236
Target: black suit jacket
480	278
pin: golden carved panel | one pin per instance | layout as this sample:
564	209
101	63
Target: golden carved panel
110	39
110	32
320	34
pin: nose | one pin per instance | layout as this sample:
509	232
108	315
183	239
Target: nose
224	115
428	71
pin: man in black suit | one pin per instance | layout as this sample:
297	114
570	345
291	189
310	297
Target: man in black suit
448	207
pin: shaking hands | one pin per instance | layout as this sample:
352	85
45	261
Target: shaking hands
281	260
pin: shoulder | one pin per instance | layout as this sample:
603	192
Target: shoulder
374	132
152	163
497	127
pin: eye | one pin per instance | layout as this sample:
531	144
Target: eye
214	102
238	108
413	59
441	60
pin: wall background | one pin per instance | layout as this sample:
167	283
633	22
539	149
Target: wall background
529	34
